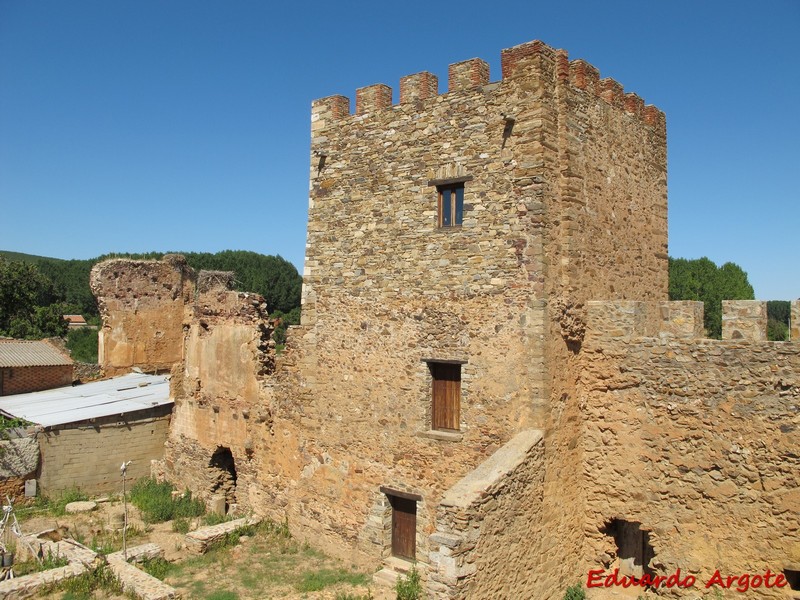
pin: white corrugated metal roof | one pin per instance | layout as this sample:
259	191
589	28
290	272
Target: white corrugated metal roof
120	395
27	353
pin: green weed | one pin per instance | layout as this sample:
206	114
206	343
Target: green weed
345	596
317	580
409	587
216	519
82	587
157	567
49	561
155	501
575	592
223	595
180	525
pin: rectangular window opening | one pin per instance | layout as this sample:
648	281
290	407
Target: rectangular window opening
451	205
446	396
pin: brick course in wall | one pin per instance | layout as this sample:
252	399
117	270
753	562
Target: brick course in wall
20	380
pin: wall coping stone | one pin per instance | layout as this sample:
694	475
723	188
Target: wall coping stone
508	458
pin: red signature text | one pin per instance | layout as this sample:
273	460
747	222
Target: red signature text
741	583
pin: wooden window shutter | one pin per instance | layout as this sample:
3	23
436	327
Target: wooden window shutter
446	408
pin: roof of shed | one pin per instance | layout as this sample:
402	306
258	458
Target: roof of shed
28	353
120	395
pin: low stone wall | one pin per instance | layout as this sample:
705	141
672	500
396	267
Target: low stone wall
200	540
487	527
135	581
30	585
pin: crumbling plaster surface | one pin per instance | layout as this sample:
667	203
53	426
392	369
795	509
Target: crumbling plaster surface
142	305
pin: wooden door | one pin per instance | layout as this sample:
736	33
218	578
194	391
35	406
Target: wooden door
404	527
446	409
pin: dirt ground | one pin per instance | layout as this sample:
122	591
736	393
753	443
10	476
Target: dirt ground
265	565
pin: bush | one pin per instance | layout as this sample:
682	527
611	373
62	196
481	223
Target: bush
155	501
157	567
82	344
409	587
575	592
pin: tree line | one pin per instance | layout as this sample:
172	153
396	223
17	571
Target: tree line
35	291
701	279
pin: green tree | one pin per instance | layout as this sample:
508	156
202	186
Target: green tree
701	279
27	308
778	314
290	318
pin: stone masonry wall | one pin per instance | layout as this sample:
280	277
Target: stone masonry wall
142	305
561	180
489	527
88	455
697	441
565	201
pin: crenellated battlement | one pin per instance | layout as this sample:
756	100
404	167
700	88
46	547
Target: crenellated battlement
742	320
532	59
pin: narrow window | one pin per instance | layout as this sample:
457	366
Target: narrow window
451	205
446	396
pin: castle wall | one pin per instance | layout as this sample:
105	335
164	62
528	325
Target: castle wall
142	306
564	186
385	287
694	439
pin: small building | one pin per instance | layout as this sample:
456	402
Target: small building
75	321
30	366
86	432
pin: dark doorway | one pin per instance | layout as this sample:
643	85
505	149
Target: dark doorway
633	547
404	527
793	579
223	474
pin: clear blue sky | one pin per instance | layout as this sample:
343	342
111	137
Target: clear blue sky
138	125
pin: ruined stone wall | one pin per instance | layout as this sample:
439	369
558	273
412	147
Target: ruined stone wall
19	461
142	305
88	455
697	441
222	401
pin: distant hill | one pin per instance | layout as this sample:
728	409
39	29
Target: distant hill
22	257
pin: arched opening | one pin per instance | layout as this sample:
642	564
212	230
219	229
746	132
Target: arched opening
223	475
